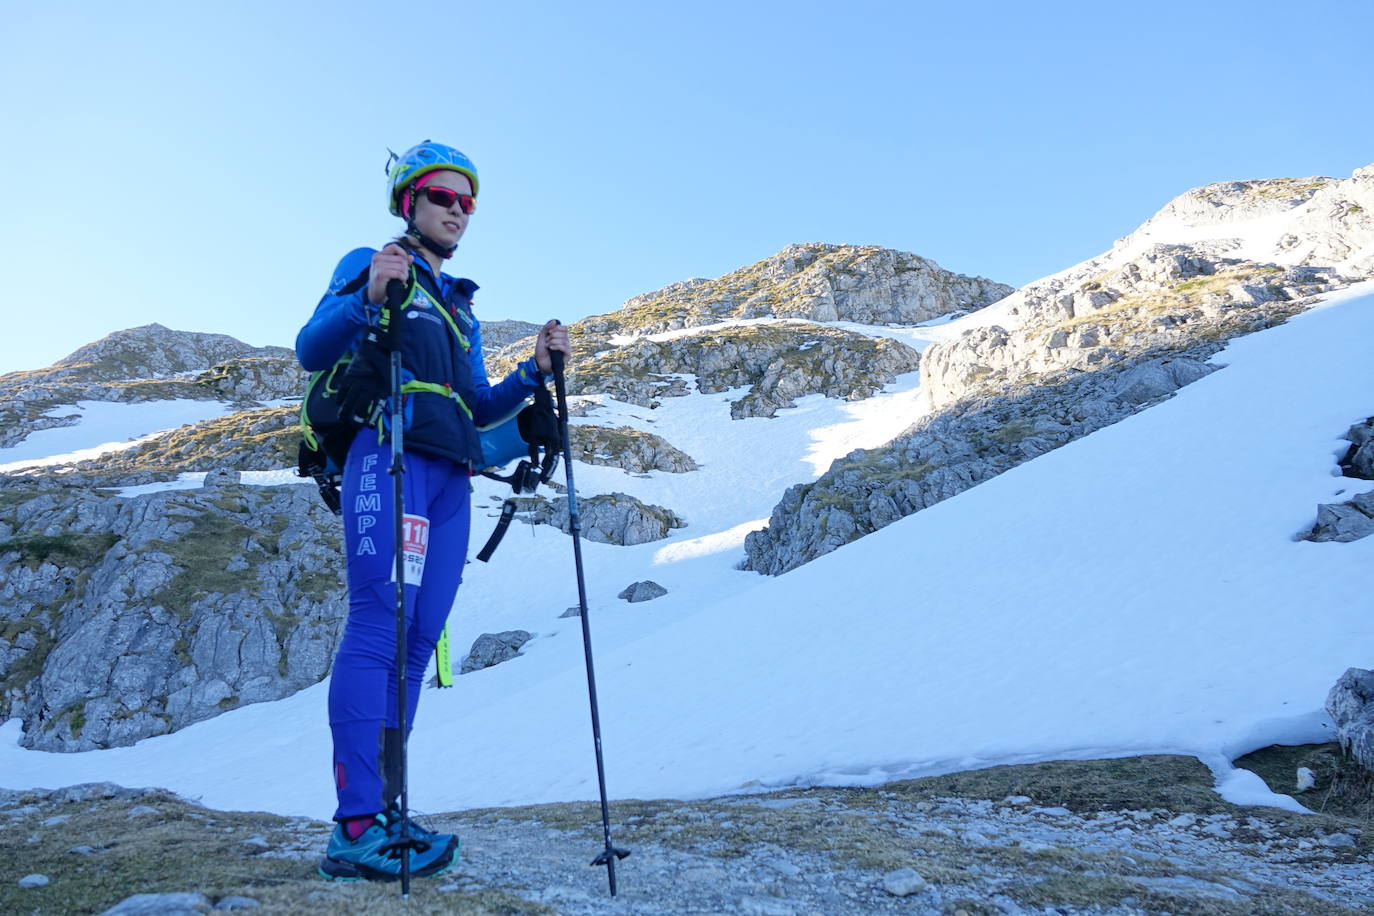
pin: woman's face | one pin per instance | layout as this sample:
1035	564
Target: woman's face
445	225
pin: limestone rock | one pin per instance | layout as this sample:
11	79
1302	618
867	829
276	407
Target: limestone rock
631	449
90	791
860	283
947	452
222	477
1358	460
153	351
1344	522
1168	297
257	378
186	904
494	648
643	591
903	882
499	334
1349	705
610	518
776	362
32	881
125	618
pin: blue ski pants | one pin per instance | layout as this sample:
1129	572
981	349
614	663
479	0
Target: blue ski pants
362	685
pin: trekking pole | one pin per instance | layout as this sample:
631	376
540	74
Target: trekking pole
391	329
610	854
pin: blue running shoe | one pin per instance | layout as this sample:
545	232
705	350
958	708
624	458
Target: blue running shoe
417	830
368	858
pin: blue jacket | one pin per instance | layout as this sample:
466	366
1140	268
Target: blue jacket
431	352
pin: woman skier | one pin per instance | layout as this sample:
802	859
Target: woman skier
446	395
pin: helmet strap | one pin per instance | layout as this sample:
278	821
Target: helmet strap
414	231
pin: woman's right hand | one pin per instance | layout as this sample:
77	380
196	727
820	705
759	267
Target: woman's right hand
391	263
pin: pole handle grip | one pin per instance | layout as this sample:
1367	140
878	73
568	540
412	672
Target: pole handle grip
557	357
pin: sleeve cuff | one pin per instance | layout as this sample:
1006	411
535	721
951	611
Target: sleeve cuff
529	373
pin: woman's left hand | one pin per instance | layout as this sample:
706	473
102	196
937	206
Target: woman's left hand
552	336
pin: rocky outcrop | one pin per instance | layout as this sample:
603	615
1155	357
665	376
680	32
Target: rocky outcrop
812	282
147	352
610	518
1167	297
1354	518
264	439
817	282
1308	221
499	334
125	618
777	362
631	449
1358	460
1350	704
950	451
1199	268
256	378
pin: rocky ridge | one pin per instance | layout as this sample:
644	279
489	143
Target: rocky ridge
655	343
817	282
148	363
499	334
1086	348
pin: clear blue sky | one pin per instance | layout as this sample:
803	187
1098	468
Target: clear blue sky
206	167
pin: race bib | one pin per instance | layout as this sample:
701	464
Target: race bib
414	548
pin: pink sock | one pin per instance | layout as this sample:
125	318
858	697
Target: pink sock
355	827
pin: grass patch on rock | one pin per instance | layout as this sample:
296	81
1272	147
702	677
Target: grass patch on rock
203	554
80	550
1343	788
1182	784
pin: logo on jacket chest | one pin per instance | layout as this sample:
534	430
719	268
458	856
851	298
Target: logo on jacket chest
412	314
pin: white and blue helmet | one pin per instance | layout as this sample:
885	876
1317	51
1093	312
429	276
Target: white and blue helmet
419	161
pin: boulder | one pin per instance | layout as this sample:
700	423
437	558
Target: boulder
1343	522
1350	703
629	449
184	904
1358	460
610	518
494	648
647	590
222	477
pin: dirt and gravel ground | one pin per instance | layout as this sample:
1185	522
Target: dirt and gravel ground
1142	835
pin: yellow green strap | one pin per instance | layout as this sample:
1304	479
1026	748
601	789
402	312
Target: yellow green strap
442	661
453	325
412	387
